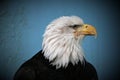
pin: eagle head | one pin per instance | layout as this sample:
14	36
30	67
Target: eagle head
62	40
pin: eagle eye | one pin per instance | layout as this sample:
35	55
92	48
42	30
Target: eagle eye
75	26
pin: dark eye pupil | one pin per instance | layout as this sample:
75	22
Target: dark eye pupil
75	26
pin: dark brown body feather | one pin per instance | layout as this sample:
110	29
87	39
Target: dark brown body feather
39	68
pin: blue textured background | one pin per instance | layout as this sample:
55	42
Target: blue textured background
22	24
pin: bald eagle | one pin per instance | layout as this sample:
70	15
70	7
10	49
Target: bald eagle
62	56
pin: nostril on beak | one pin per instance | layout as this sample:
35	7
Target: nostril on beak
86	26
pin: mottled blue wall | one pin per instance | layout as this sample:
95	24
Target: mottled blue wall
22	24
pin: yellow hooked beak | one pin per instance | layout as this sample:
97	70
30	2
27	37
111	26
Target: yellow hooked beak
85	29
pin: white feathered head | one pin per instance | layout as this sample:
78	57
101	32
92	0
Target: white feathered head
62	40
